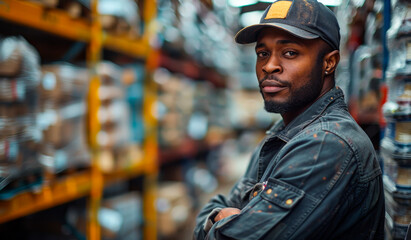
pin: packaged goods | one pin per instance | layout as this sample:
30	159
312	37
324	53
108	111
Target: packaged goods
19	135
120	217
62	125
75	8
398	208
61	117
109	73
133	78
396	145
174	209
109	93
113	113
129	206
19	167
19	71
397	162
117	150
10	63
120	17
63	82
15	110
397	111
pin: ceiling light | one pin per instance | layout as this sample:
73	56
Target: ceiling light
241	3
250	18
331	3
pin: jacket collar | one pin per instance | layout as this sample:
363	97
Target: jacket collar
332	97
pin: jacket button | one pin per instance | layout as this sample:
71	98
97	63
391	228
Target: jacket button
289	202
255	193
269	191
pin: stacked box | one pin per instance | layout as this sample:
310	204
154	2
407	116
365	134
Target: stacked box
120	17
396	144
117	151
176	97
61	117
74	8
19	135
174	207
120	217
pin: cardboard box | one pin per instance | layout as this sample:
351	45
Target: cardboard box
63	83
11	66
174	207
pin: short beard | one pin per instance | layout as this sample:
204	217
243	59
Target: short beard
301	97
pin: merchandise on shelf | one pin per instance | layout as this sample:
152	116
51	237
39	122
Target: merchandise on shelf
396	145
398	209
174	110
120	17
133	79
74	8
174	207
61	117
115	140
120	217
19	138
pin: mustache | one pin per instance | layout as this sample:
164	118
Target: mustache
273	78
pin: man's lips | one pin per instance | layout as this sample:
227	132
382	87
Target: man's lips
272	86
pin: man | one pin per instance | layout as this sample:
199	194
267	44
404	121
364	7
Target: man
316	174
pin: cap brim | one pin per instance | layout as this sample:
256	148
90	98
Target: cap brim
249	34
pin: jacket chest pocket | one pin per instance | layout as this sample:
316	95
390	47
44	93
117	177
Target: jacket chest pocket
265	212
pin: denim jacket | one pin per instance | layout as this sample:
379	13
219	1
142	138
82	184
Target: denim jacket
316	178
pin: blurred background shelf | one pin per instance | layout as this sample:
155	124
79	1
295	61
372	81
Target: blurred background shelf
125	174
50	20
69	48
60	23
61	191
138	48
161	110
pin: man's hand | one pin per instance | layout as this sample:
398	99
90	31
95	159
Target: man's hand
226	212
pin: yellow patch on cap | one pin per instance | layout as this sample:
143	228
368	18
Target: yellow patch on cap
279	10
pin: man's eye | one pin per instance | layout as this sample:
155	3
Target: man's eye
290	54
262	54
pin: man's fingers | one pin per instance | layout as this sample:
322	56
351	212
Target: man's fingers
226	212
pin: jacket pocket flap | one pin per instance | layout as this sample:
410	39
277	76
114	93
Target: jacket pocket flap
281	193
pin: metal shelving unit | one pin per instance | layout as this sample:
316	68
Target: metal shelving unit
91	182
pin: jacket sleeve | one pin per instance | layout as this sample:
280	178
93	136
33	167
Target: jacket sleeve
310	181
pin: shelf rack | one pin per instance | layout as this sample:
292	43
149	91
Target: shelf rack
91	182
58	22
49	195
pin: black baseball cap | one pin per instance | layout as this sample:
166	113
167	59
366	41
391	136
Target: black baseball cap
306	19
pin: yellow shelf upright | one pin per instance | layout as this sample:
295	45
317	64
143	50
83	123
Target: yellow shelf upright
97	184
151	142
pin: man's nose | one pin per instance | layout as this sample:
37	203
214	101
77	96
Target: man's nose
272	65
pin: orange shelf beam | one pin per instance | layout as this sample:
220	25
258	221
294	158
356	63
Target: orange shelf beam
54	21
58	22
56	193
125	174
134	48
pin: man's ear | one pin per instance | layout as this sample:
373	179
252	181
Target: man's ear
331	61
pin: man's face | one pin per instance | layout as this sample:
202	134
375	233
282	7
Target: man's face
289	70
